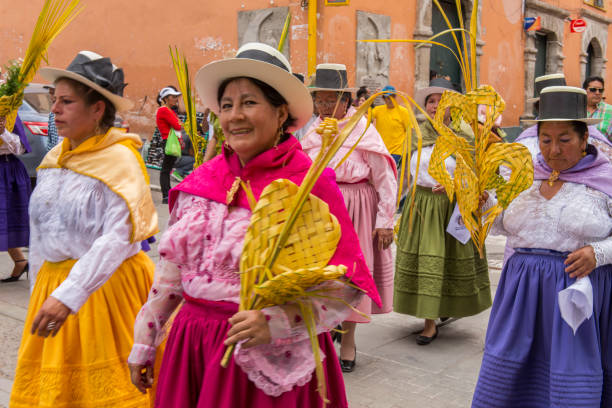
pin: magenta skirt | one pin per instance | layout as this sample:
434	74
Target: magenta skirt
361	201
191	375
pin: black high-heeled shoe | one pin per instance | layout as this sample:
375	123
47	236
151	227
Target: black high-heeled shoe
348	366
17	277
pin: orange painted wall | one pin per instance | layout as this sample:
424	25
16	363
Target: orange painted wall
136	35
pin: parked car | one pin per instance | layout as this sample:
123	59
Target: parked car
34	113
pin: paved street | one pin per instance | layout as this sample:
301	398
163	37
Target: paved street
392	371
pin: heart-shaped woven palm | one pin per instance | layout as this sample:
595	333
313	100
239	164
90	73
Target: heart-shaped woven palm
313	239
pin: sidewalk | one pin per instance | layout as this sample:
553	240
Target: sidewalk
391	372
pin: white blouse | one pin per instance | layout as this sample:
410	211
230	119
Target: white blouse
11	144
424	179
575	217
78	217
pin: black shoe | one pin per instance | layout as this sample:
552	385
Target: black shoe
16	278
443	319
424	340
165	200
348	366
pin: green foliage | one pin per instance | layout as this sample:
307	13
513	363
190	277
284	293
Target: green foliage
10	83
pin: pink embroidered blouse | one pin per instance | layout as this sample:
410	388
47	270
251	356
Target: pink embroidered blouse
199	255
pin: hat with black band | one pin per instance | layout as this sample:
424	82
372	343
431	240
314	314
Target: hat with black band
331	77
545	81
96	72
264	63
563	104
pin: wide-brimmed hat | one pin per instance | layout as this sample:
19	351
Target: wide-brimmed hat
563	104
436	85
545	81
98	73
262	62
331	77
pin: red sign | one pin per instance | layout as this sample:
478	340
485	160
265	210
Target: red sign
578	25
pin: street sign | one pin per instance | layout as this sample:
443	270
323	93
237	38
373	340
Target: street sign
578	25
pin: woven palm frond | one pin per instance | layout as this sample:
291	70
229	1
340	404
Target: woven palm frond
53	18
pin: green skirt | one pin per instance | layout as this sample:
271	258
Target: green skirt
436	275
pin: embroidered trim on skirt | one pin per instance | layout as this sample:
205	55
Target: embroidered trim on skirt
85	364
436	275
361	201
15	189
532	357
191	374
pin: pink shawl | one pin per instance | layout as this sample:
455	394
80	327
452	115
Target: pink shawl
213	179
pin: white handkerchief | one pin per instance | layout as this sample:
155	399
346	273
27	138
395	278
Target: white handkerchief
457	228
576	303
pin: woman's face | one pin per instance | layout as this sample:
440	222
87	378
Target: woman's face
431	104
171	101
560	145
74	119
250	123
330	104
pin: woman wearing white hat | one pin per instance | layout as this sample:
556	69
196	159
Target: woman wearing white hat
259	102
166	119
89	274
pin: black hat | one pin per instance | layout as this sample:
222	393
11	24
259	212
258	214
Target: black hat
331	77
545	81
98	73
563	104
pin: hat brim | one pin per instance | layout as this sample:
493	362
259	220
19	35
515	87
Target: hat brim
588	121
422	94
52	74
209	78
533	100
315	89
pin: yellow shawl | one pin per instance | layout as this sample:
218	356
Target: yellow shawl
113	159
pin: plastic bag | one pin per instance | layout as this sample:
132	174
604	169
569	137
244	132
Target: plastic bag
173	146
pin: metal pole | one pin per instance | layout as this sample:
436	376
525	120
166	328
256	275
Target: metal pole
312	36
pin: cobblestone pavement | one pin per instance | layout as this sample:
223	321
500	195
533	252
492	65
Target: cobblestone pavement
391	372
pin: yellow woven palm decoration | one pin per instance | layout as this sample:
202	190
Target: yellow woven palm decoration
478	166
54	17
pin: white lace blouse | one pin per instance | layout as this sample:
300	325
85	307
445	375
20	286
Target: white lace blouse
575	217
77	217
424	179
11	143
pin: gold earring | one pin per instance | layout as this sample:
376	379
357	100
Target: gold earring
583	153
279	134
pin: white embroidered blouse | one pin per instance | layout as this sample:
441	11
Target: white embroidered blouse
78	217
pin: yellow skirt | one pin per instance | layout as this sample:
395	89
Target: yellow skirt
85	364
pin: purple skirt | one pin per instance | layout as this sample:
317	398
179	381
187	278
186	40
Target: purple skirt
15	189
531	357
191	375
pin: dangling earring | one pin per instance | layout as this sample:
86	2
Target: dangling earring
279	134
97	130
583	153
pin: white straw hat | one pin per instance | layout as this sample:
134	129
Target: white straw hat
262	62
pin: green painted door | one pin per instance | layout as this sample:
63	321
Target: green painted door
441	61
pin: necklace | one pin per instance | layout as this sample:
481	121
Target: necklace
554	176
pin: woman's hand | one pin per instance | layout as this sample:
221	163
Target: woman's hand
581	262
142	376
438	189
385	237
251	325
50	317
